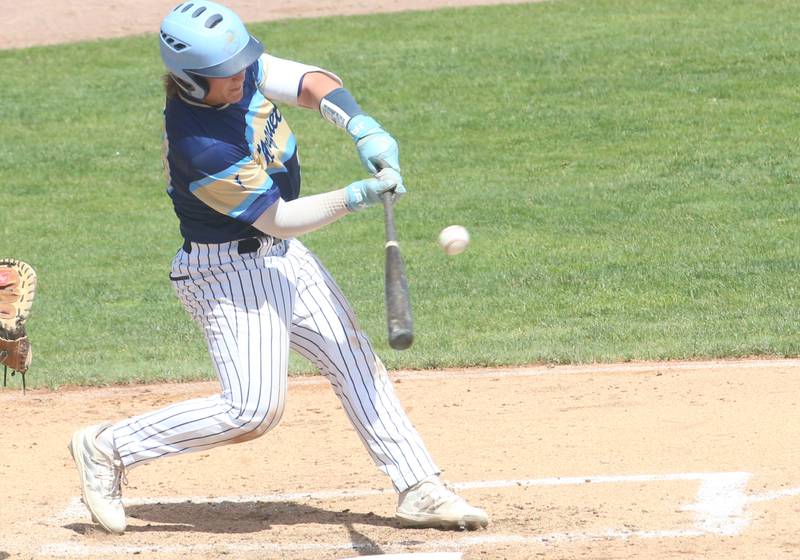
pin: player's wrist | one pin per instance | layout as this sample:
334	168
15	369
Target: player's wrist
364	193
361	126
355	196
376	148
339	107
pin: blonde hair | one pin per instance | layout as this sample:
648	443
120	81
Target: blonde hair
171	87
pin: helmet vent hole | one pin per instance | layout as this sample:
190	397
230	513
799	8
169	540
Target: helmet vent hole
198	11
213	21
173	42
187	7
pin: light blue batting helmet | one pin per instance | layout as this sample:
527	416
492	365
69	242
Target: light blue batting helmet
205	40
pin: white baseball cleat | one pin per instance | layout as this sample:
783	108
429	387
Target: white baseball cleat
101	479
431	504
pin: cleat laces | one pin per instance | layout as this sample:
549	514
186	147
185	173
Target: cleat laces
110	476
436	497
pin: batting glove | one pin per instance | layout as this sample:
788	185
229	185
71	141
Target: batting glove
376	147
367	192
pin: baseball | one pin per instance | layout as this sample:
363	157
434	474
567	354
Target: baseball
454	239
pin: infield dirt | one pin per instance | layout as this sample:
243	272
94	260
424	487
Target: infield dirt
47	22
529	445
571	462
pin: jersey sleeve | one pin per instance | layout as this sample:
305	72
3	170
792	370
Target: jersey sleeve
231	184
280	79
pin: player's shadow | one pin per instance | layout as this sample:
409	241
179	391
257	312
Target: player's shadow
236	517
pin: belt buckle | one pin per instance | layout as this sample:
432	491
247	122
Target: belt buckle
249	245
255	244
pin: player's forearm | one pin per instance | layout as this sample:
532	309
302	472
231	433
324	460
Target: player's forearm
321	90
290	219
335	103
313	89
376	147
303	215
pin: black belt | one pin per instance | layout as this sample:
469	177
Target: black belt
245	246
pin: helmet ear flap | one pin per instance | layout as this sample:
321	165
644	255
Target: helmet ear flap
197	90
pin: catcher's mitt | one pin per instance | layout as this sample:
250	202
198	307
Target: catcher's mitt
17	288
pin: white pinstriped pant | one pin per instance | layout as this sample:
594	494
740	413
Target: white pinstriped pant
252	309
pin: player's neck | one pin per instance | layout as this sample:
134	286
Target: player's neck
203	103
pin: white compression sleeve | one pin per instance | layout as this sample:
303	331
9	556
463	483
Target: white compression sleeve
302	215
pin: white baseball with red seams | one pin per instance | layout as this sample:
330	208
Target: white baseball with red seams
454	239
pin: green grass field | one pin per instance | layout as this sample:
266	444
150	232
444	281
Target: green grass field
627	170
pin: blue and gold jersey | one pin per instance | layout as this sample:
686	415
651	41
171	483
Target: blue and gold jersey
226	165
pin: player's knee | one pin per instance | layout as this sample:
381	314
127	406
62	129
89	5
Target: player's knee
269	417
257	421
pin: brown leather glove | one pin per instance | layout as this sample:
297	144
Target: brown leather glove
17	288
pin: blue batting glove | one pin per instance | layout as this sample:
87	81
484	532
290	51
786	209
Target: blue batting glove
389	174
376	147
364	193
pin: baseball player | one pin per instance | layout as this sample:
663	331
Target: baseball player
253	288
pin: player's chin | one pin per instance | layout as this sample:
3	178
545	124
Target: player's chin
236	95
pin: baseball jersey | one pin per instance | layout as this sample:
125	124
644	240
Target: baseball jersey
226	165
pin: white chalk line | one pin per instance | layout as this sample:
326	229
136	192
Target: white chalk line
770	496
719	509
720	504
76	510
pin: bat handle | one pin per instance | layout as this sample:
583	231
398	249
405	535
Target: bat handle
388	212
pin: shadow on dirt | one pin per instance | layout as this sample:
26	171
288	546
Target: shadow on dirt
236	517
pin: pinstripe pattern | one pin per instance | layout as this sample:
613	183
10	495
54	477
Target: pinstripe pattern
252	309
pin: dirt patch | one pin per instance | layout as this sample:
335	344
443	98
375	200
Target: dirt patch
630	461
48	22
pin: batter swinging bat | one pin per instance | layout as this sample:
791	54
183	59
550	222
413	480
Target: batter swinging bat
398	304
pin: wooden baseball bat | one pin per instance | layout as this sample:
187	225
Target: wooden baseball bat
398	304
